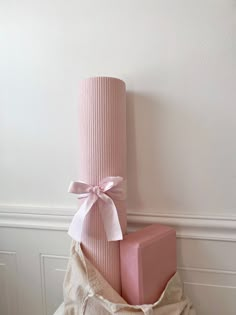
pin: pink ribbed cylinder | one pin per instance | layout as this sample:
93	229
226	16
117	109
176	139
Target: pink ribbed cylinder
102	143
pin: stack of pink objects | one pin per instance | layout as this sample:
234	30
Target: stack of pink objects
100	223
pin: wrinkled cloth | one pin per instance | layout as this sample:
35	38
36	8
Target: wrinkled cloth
86	292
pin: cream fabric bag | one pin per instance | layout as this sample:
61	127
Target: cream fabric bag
86	292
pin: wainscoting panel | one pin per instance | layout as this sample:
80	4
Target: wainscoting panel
53	270
41	260
34	251
213	291
8	276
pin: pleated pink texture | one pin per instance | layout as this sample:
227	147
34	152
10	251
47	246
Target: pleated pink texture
102	145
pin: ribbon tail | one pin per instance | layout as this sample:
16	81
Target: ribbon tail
109	215
75	229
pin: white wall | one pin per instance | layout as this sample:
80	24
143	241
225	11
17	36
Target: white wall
177	58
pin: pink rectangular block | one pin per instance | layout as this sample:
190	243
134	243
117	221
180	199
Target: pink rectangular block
148	261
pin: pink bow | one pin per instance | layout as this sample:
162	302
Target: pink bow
109	185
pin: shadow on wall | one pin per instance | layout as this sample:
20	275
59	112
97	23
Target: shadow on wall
145	177
170	157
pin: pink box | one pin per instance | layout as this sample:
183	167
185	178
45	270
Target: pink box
148	261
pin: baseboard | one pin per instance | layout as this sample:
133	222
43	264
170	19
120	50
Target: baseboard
220	228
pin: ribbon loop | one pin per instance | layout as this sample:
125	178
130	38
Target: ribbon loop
109	188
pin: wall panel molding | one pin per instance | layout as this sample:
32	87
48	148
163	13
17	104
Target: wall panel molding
52	271
8	285
219	228
205	250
